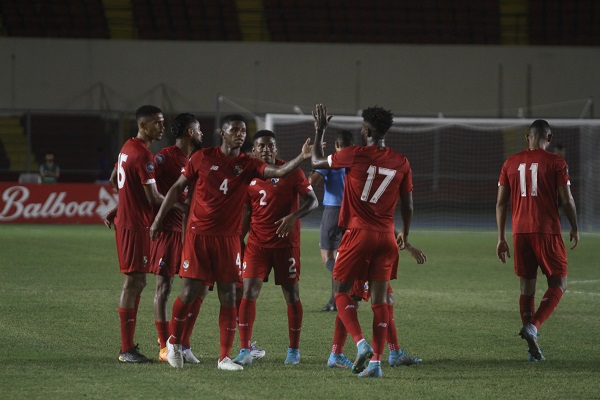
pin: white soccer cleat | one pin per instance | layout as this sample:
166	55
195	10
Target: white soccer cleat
189	357
174	354
255	352
227	365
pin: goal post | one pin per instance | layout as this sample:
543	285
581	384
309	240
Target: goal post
456	162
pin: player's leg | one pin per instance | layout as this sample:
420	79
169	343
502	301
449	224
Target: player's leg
328	259
162	291
133	285
227	325
295	312
246	318
190	322
398	356
378	291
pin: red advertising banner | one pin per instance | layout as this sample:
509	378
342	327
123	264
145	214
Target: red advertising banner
61	203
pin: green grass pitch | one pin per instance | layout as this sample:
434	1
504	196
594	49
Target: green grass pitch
59	329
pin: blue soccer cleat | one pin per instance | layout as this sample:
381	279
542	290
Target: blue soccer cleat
363	355
400	357
529	333
293	356
338	361
372	371
244	358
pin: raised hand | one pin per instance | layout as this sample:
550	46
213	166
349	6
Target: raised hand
321	117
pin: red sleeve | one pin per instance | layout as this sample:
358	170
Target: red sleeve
562	176
258	166
302	185
343	158
145	168
189	170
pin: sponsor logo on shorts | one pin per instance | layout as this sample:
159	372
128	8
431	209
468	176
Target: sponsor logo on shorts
244	266
214	168
292	276
186	264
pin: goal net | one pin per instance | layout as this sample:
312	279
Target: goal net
456	163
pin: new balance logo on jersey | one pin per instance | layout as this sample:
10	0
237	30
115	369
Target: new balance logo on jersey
214	168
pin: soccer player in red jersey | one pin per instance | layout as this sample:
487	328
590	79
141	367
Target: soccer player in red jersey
211	249
272	215
137	194
165	251
377	177
533	180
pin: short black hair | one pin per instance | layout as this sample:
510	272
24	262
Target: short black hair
541	128
378	118
263	133
345	138
147	111
246	147
230	118
181	123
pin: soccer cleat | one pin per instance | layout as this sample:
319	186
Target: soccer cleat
133	356
329	307
189	357
244	358
338	361
531	359
162	354
174	354
529	333
256	352
363	355
400	357
293	356
227	364
372	371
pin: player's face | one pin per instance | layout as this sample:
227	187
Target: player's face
234	134
196	134
265	149
154	126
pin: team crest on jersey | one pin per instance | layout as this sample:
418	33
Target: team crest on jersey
150	166
274	181
186	264
159	159
238	169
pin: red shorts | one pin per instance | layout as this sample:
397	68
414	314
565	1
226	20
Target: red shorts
539	249
259	260
133	249
211	258
366	255
165	254
361	290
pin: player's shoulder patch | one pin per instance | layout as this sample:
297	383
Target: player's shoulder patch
159	159
150	166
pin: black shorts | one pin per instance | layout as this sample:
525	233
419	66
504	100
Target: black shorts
331	233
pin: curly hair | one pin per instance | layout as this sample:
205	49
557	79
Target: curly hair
378	118
181	123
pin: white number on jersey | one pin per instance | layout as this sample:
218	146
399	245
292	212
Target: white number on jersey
120	170
224	187
262	201
523	181
389	175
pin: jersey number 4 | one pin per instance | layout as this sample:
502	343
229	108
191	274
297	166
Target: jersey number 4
389	175
523	181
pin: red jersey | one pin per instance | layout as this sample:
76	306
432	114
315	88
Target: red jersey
271	200
533	178
134	170
169	163
374	181
221	184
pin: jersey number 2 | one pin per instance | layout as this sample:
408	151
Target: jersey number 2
389	175
523	181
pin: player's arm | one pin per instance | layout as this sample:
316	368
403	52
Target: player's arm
315	178
153	195
113	178
168	202
318	159
246	216
308	203
406	213
281	171
184	214
502	249
571	212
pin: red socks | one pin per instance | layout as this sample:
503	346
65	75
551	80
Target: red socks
163	332
190	321
347	313
295	314
526	308
339	336
246	321
381	319
392	334
178	317
547	305
227	328
127	317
